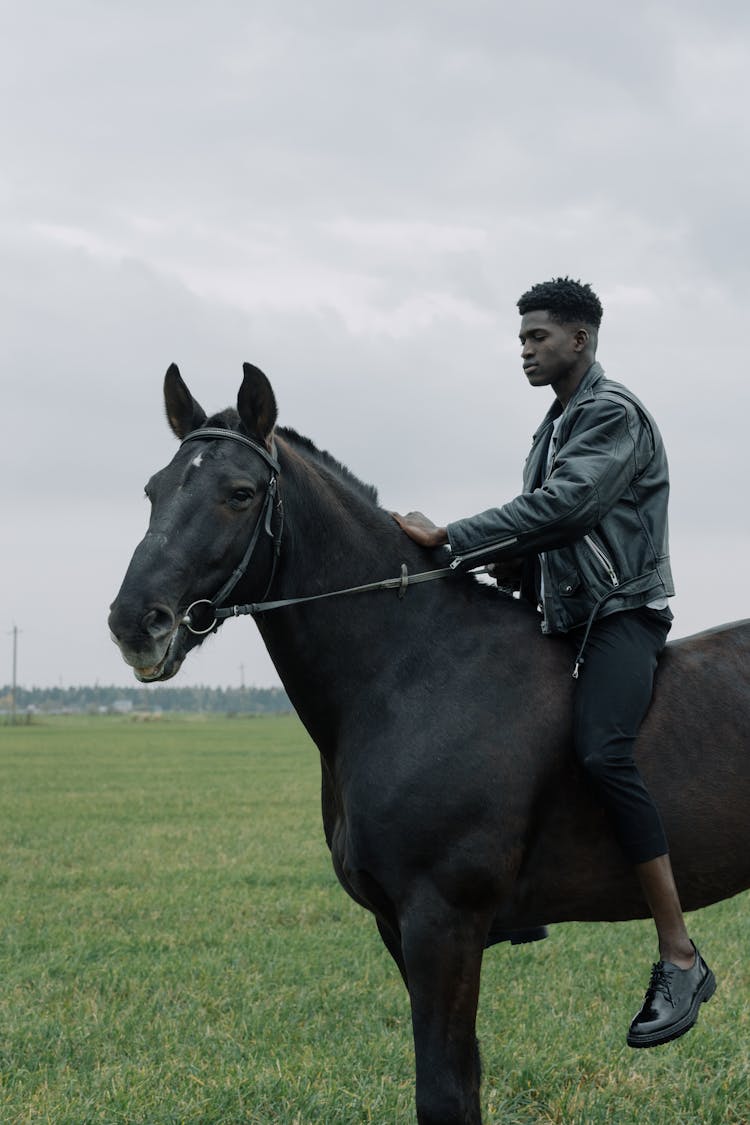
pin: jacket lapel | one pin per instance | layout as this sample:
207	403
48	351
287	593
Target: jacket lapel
535	469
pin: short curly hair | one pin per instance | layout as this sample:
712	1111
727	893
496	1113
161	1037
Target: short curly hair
565	300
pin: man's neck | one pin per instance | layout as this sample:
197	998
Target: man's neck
567	385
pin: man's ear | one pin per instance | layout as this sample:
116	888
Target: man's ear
581	339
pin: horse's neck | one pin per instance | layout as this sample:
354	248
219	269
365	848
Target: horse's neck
334	536
328	652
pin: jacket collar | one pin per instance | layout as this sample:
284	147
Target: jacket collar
593	376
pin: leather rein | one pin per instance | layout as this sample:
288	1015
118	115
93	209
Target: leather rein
264	523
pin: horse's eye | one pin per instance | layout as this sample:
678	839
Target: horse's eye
240	497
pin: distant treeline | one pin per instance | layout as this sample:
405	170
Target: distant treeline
155	697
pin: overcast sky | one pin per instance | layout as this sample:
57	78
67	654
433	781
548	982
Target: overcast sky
353	195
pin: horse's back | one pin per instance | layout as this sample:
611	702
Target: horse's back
732	634
694	751
706	672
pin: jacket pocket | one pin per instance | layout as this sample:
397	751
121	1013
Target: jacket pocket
602	560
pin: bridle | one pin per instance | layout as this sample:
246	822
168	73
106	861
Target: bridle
264	523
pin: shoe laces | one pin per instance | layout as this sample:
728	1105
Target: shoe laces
660	981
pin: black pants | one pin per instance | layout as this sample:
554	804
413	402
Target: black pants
612	696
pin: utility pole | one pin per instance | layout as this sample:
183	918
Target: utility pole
13	685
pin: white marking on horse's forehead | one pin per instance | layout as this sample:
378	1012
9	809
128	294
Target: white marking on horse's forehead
197	461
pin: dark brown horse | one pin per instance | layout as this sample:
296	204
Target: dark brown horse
452	803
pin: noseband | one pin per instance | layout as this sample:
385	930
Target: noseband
264	522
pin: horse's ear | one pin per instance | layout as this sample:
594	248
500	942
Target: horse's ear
184	414
256	403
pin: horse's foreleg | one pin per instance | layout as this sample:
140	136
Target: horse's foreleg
442	950
392	941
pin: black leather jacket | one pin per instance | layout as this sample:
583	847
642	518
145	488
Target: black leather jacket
598	515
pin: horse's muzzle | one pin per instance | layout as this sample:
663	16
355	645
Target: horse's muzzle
158	622
146	641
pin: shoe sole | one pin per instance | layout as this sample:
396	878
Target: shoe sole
675	1030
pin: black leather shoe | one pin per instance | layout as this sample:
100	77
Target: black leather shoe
673	999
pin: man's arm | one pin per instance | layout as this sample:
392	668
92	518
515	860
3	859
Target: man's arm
591	472
423	531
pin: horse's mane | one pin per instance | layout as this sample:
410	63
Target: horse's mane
321	457
229	419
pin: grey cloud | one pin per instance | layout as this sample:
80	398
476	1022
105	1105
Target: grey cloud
353	197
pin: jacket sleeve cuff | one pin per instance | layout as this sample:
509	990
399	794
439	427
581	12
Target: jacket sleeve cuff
462	535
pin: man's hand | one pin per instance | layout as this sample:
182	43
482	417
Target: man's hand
421	529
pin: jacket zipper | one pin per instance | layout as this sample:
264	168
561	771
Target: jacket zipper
480	551
599	554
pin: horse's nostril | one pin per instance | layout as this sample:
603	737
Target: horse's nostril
158	622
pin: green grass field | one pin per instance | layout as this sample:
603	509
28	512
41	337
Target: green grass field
175	948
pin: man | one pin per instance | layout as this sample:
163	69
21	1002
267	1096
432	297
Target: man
589	537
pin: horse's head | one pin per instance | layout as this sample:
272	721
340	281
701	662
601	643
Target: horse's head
206	506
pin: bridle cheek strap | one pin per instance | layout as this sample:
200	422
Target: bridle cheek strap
263	523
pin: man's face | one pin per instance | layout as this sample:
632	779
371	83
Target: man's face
551	352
